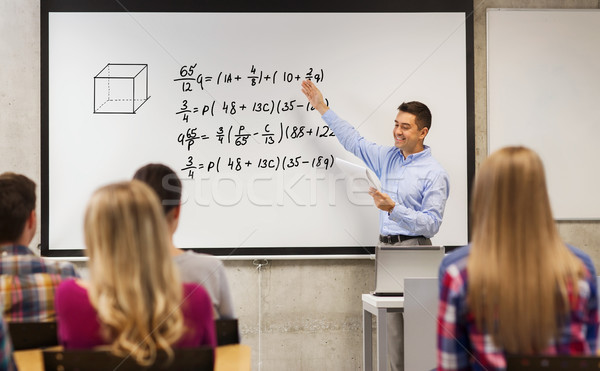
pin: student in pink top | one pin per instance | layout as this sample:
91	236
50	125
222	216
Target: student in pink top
134	301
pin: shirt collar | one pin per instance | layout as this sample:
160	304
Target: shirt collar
15	250
424	153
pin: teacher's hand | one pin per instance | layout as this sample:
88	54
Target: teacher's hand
382	200
314	96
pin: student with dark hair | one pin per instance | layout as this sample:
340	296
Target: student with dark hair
204	269
517	288
27	282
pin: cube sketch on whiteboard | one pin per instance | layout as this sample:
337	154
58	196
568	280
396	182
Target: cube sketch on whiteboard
121	88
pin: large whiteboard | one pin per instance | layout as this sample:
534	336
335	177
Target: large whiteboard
172	76
544	93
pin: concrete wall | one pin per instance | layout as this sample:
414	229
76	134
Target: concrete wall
309	310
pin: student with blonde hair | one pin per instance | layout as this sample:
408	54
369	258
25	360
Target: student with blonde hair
134	301
517	288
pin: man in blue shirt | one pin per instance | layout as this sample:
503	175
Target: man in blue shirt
415	187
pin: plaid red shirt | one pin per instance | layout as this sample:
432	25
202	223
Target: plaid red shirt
27	284
7	361
463	346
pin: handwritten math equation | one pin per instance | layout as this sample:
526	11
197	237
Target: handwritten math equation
190	78
276	163
272	107
200	131
239	135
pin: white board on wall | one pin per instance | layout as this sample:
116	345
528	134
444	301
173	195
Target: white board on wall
544	92
362	71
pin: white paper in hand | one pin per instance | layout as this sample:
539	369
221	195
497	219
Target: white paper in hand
353	171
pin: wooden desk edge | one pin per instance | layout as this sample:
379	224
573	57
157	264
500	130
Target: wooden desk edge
235	357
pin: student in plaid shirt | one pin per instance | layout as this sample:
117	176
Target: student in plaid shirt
27	282
517	288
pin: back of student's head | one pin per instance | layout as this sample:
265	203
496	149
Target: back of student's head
133	284
510	195
163	180
516	249
17	201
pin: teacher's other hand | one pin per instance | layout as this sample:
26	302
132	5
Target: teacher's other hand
382	200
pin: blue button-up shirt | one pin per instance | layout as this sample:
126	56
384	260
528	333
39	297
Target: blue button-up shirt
418	184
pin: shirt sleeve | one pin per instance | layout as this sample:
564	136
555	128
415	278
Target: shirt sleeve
61	304
592	308
452	334
203	315
6	353
428	219
592	324
370	153
67	270
225	302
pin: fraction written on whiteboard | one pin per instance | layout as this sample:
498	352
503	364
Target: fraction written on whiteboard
187	76
272	107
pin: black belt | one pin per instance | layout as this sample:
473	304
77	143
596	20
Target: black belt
395	238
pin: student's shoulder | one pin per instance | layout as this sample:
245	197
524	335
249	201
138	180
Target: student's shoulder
61	268
28	263
578	252
455	257
584	257
71	289
72	284
194	290
67	269
49	265
196	295
72	302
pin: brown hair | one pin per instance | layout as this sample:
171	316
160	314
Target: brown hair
163	180
421	112
516	249
17	201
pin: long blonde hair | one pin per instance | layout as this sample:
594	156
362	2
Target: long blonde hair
518	268
133	284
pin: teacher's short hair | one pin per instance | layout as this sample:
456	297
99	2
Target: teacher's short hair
421	112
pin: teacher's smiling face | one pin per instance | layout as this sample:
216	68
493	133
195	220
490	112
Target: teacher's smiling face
407	135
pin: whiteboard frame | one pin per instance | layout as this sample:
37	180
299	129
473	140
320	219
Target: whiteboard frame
426	6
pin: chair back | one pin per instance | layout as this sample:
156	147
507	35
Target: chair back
555	362
30	335
99	360
227	331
